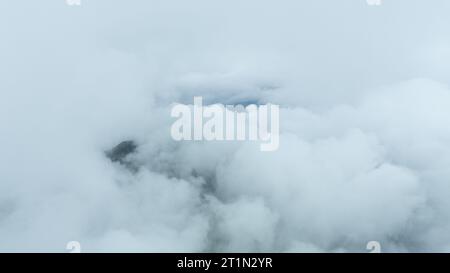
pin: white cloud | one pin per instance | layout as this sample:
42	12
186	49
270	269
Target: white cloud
364	150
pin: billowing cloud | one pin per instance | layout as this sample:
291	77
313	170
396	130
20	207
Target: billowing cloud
364	146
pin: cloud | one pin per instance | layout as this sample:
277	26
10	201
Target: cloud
364	148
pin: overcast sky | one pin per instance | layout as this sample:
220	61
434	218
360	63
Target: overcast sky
365	137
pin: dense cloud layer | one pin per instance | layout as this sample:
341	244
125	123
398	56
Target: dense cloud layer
365	141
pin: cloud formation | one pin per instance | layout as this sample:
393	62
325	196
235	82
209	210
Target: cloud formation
364	147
